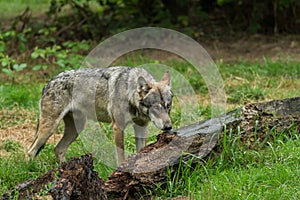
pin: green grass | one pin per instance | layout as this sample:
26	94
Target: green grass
19	95
269	171
249	82
14	168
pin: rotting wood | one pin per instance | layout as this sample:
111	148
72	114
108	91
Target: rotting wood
75	179
150	166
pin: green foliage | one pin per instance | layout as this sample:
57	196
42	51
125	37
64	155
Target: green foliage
10	66
251	16
2	44
85	19
16	39
69	55
65	57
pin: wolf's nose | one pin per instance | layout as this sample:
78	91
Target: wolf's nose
167	126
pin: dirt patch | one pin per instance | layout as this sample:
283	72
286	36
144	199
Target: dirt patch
19	125
253	48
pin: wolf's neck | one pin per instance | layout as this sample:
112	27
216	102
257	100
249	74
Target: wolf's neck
137	116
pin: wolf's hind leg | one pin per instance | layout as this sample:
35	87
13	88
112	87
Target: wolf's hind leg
45	129
74	123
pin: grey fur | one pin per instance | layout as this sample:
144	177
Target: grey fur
120	95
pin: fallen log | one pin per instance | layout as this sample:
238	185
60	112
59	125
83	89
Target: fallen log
150	166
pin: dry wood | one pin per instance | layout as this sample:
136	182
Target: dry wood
196	141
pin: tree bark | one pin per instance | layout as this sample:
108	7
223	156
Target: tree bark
150	166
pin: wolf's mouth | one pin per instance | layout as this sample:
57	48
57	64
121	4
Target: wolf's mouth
170	131
167	128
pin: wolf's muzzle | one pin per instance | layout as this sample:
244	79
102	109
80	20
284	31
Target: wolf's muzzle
167	126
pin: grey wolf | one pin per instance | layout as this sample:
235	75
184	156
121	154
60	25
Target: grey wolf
119	95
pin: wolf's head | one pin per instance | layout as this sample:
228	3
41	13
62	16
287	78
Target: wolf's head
156	100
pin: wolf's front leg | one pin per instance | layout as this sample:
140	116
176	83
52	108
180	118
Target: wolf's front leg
119	142
141	133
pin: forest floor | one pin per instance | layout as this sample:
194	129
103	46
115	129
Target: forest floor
250	48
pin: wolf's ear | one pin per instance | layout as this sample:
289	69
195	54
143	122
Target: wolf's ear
143	86
166	79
